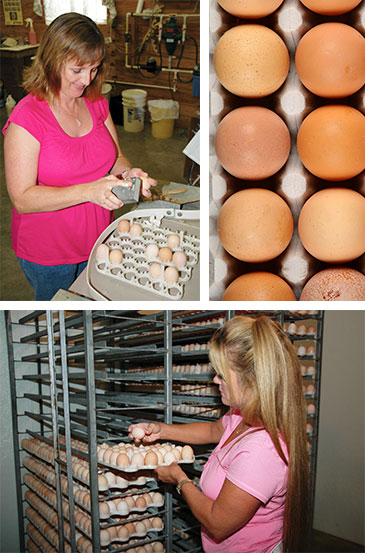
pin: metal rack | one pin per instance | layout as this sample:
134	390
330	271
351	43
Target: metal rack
88	375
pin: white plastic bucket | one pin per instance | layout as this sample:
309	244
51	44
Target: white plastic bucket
106	90
134	101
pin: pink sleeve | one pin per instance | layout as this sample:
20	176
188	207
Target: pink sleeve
257	470
100	108
24	116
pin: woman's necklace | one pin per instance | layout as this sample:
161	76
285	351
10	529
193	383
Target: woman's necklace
78	121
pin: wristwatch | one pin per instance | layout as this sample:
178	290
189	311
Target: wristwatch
181	483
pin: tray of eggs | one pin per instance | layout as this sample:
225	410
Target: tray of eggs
287	129
127	457
136	250
126	531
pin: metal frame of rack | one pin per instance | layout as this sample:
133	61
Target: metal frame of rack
110	346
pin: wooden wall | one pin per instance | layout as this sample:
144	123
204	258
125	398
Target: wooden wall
189	105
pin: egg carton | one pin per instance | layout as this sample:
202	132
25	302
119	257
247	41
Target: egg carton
131	279
122	484
134	468
292	102
114	511
133	535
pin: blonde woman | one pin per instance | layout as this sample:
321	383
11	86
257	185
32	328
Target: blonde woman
254	493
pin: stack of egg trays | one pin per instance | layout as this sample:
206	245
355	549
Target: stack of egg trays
134	267
42	505
293	182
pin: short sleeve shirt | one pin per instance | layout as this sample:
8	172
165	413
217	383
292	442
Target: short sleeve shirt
252	463
64	236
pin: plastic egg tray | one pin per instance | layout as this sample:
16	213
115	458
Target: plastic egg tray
132	535
113	505
120	281
292	102
143	450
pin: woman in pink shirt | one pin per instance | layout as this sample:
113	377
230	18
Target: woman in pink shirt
60	145
254	493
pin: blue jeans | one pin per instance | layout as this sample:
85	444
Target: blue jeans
48	279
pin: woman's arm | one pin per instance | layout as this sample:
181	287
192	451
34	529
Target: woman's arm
190	433
232	509
122	164
21	151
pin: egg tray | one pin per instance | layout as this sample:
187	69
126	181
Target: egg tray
115	512
132	535
140	481
292	102
120	281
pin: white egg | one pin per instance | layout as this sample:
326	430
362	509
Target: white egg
138	432
102	252
155	270
137	460
173	241
135	230
171	275
169	458
123	507
152	251
179	259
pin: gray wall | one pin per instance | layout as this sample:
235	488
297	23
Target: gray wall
339	501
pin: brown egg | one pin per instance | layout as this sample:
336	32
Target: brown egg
124	226
158	547
332	225
258	285
165	254
104	537
130	528
187	453
255	225
157	523
104	509
250	9
151	459
123	532
122	460
115	256
335	284
141	503
251	60
252	142
331	142
331	7
102	482
330	60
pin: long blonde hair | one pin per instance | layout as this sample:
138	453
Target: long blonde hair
261	354
70	37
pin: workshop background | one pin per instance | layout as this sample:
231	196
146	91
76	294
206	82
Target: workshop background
135	59
155	366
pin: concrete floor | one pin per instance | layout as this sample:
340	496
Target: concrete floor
161	158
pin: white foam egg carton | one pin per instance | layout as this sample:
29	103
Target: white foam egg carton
107	280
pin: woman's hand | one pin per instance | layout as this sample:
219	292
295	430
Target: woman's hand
152	431
100	192
170	474
147	181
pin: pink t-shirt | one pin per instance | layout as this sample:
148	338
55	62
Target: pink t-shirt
64	236
253	465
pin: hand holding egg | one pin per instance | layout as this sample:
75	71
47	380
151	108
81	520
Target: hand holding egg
147	181
151	432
